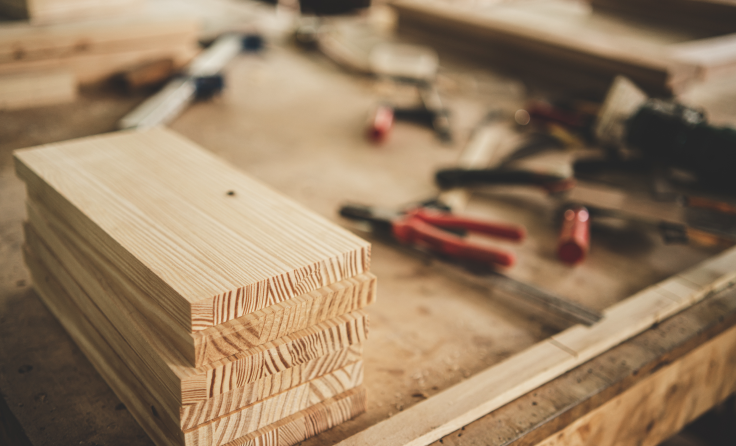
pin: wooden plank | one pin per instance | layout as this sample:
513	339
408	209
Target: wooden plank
714	57
263	413
91	68
516	33
23	42
36	88
174	382
195	414
215	343
236	252
145	407
308	423
463	403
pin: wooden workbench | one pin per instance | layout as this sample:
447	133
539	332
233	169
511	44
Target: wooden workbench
295	121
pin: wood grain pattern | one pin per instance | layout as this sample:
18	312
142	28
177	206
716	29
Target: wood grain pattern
220	405
275	408
308	423
215	343
175	383
158	207
469	400
32	89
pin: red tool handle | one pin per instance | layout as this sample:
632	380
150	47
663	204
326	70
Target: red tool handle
450	221
413	230
574	240
380	124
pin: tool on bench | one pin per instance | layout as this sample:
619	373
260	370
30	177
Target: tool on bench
667	132
481	274
201	80
457	177
437	231
574	239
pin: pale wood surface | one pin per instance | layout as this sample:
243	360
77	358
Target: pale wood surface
36	88
262	248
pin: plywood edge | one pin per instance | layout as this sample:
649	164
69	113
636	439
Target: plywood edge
463	403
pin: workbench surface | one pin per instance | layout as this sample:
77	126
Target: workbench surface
295	121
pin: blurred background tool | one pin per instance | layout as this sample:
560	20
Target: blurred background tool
201	80
438	231
669	133
549	181
574	239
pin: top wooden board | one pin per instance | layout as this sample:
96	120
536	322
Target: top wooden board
208	243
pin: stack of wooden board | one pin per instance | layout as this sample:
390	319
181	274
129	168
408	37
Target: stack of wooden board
219	311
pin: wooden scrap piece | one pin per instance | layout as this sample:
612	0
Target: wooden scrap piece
36	88
215	343
147	200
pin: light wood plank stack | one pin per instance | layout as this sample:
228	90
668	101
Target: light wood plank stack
220	312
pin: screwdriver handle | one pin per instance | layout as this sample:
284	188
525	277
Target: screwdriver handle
379	126
574	240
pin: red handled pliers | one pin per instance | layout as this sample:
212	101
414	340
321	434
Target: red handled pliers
438	231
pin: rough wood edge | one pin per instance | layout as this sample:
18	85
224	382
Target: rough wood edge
500	384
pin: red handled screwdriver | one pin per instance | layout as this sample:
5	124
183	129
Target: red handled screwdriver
574	240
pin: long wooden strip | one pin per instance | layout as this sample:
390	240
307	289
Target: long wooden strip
307	423
33	89
180	384
215	343
21	41
463	403
275	408
192	415
160	208
139	401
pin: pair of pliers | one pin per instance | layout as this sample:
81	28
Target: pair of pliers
437	231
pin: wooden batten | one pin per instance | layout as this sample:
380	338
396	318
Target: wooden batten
132	191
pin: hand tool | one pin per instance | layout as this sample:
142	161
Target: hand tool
421	227
668	132
551	182
482	275
574	239
201	80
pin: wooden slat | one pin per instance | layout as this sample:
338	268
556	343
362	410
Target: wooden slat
214	343
308	423
159	208
220	405
170	379
263	413
36	88
463	403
